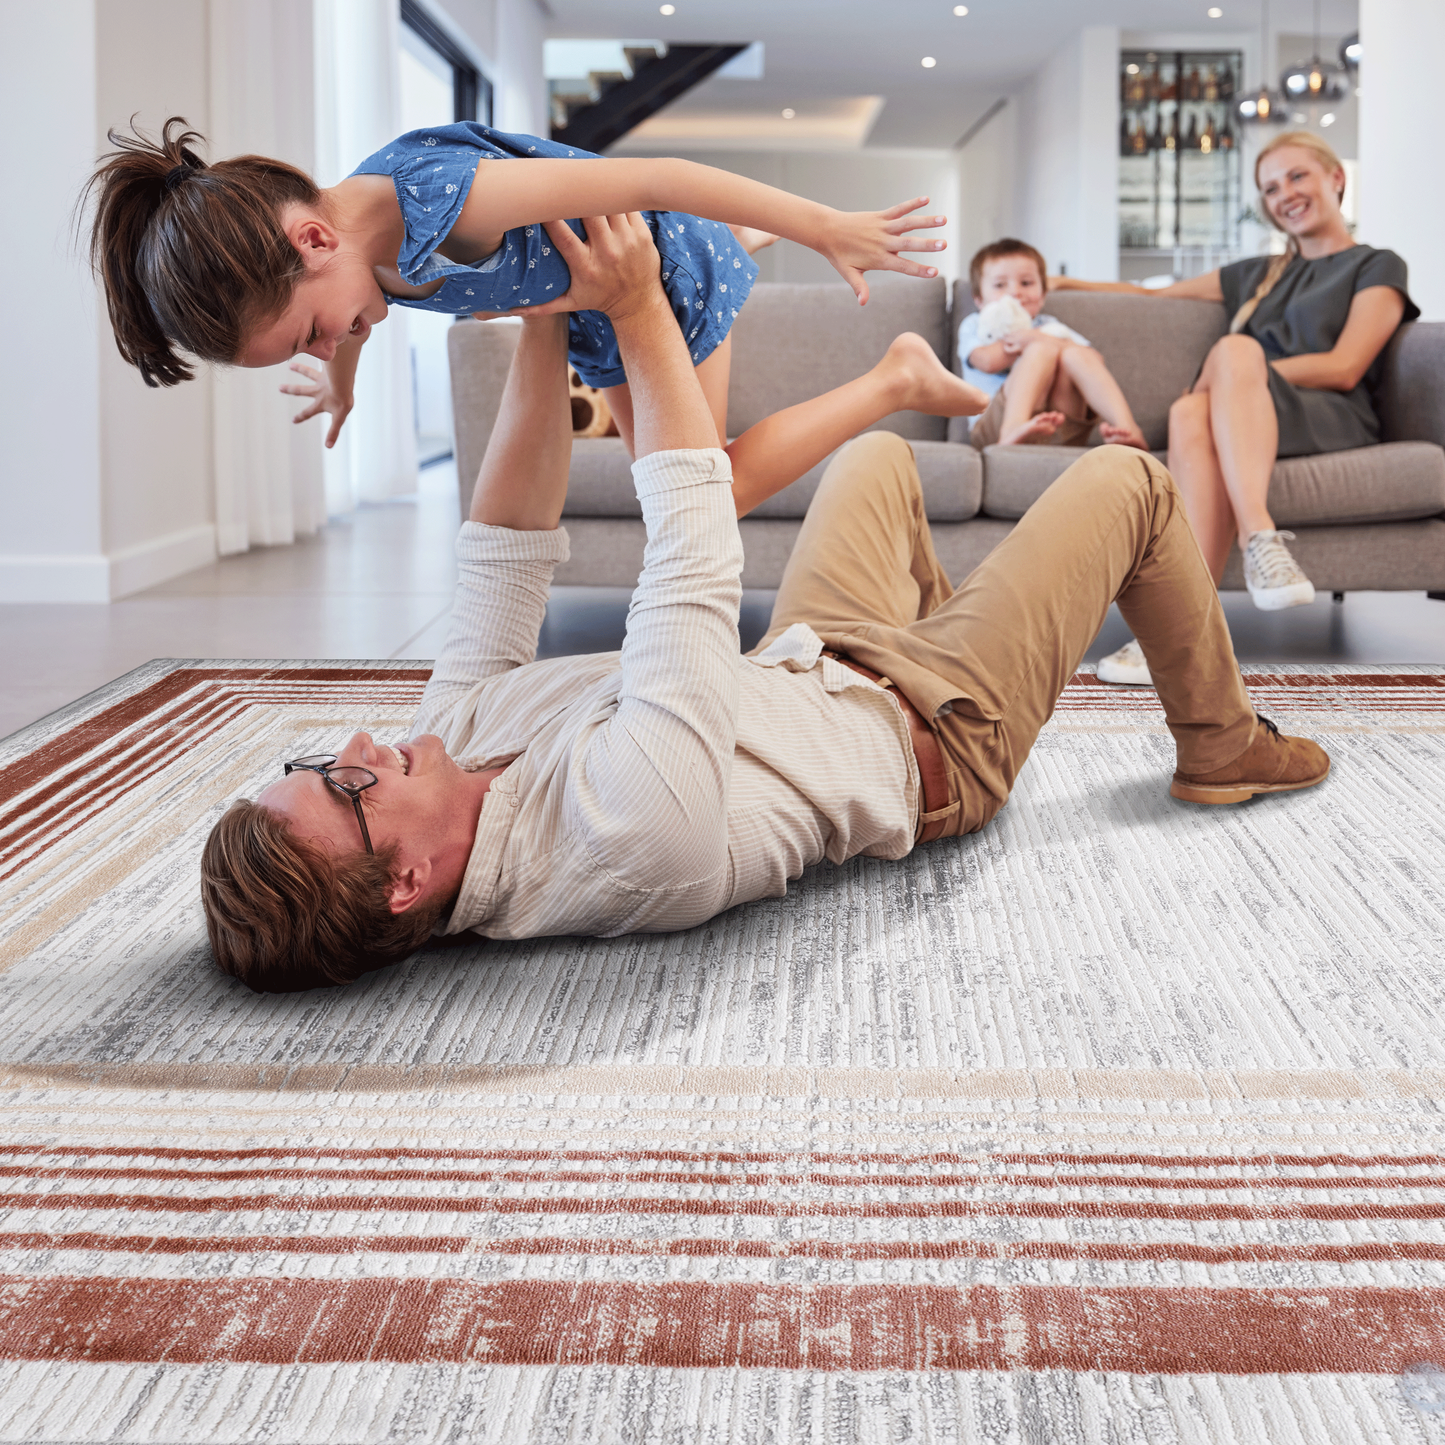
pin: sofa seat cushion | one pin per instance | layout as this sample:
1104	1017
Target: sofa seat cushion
1393	482
601	483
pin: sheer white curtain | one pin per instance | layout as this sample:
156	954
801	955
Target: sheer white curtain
268	473
357	55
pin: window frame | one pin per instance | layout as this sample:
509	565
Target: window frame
471	90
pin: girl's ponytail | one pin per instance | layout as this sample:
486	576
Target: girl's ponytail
190	255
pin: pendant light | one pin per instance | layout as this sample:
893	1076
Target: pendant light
1318	80
1263	106
1350	53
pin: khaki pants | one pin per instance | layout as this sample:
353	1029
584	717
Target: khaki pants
1001	648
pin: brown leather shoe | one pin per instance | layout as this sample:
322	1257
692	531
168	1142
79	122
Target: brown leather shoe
1272	763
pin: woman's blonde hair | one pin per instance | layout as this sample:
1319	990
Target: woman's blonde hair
1306	141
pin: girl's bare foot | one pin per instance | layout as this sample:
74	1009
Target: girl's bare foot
751	239
1035	429
923	383
1123	436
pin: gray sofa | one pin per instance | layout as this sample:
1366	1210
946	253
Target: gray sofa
1372	519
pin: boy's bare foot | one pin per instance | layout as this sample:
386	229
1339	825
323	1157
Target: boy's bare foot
1035	429
1123	436
751	239
924	383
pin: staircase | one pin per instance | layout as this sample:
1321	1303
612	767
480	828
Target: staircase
616	102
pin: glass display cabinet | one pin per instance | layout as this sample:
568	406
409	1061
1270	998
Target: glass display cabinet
1179	156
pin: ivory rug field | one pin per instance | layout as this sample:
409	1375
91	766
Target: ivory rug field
1120	1121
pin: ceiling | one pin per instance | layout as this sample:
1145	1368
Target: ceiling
820	51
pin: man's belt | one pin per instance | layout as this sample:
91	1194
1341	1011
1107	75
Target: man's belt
936	809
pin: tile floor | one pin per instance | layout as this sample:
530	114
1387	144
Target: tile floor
378	584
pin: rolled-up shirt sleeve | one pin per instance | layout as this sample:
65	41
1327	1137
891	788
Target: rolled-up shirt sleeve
503	578
658	768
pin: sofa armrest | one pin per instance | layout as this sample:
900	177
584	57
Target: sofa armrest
1411	396
480	355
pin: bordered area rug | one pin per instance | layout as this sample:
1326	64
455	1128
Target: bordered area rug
1120	1121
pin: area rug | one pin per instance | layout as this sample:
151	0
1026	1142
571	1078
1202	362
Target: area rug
1120	1121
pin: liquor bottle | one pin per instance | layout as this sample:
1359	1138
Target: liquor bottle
1191	136
1140	139
1190	89
1208	141
1226	136
1211	84
1156	136
1226	82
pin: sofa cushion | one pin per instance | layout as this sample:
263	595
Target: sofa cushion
1154	345
1393	482
601	483
794	342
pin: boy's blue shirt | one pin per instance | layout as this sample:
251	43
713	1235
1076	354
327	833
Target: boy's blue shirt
992	381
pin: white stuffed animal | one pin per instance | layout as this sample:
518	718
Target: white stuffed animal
999	318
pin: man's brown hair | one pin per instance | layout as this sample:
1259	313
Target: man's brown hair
284	914
191	256
996	251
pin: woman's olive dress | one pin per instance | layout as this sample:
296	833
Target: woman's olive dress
1305	312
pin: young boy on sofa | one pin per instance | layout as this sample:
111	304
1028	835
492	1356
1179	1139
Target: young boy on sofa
1048	383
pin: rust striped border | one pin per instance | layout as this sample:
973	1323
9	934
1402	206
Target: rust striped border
298	1204
1042	1160
1135	1329
732	1180
861	1251
55	788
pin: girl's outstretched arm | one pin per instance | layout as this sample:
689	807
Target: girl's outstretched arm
525	192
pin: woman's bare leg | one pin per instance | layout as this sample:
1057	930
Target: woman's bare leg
1095	383
780	448
712	375
1195	468
1244	426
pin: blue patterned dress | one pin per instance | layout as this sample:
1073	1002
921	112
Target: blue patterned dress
706	274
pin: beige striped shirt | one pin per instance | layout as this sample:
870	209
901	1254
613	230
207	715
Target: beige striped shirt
656	786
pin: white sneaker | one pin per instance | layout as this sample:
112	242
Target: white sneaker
1126	666
1273	577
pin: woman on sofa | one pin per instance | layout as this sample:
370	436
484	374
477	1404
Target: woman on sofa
1294	377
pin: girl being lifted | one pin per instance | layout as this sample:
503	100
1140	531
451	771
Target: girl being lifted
247	262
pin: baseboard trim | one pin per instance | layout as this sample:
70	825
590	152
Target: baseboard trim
149	563
96	577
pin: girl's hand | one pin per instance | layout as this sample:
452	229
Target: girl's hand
326	397
859	241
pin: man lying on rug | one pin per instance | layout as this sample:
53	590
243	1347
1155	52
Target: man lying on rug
649	790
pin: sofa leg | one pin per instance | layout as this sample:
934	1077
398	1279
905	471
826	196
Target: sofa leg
1436	596
1338	596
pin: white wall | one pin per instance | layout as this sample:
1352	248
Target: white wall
107	481
506	37
1068	126
51	546
1402	170
989	184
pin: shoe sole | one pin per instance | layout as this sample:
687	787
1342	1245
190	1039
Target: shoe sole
1277	599
1117	680
1236	792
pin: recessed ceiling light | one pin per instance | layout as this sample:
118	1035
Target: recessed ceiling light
1214	12
1131	70
667	9
960	11
929	62
789	113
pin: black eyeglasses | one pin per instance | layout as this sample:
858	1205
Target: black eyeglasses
348	781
